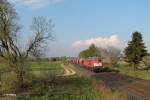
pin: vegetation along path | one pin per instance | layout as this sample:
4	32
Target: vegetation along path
68	70
133	88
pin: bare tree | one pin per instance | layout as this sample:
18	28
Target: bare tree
42	27
9	49
114	55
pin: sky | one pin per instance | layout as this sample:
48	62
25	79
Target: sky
79	23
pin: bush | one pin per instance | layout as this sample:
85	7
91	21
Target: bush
9	82
146	60
144	64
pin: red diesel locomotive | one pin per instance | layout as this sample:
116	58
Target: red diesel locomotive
91	63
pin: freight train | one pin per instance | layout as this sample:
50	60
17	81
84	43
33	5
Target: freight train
91	63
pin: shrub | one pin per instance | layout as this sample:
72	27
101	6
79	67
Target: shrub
144	64
146	60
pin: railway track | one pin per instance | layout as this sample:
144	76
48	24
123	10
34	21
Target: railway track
133	88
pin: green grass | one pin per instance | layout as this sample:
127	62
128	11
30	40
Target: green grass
41	65
3	66
44	66
46	85
124	68
71	88
38	68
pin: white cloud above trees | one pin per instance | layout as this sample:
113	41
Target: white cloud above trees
99	41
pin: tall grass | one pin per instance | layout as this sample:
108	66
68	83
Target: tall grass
9	83
106	93
125	68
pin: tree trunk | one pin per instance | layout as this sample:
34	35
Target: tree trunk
133	66
19	74
20	78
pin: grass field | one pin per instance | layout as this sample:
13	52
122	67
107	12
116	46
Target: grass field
42	68
3	66
128	70
47	84
45	65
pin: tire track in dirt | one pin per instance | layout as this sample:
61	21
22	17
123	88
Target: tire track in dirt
68	70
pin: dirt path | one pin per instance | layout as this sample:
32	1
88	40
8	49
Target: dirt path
133	88
68	70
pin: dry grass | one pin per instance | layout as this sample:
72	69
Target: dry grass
106	93
9	98
9	83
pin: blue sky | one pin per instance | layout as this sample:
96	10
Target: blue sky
81	22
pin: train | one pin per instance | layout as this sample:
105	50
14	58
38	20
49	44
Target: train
91	63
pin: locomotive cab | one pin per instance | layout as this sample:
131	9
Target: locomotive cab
96	62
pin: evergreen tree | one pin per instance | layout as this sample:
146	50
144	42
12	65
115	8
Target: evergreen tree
136	49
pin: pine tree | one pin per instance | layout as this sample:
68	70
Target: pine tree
136	49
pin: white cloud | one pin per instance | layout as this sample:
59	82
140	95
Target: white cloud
99	41
38	3
147	44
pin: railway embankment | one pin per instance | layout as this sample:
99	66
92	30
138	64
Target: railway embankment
132	88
